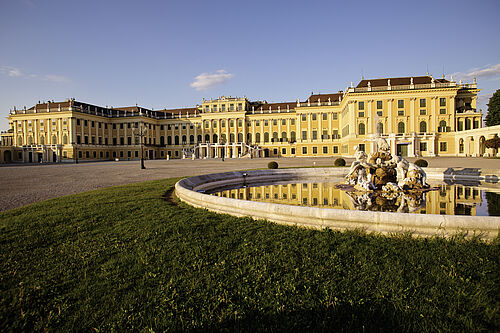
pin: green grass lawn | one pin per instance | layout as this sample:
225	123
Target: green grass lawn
123	258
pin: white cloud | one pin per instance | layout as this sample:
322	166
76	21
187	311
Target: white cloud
55	78
486	72
16	72
10	71
206	81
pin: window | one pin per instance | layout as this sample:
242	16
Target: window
86	140
129	140
257	123
380	128
122	141
401	127
325	149
266	122
361	105
314	116
361	129
231	107
214	109
266	137
85	123
423	146
423	112
93	124
442	125
361	114
443	146
65	139
77	122
206	123
240	123
121	125
379	104
361	147
423	127
240	106
292	121
423	103
304	135
114	126
315	150
467	124
380	113
275	122
304	117
314	135
283	122
325	116
223	107
292	151
401	103
283	151
442	111
304	150
335	116
335	149
401	112
442	102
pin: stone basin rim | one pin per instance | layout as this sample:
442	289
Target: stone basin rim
187	190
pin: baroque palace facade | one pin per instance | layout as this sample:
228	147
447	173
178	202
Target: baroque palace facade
418	116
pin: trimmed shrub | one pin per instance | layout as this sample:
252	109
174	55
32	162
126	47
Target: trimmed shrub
421	163
272	165
339	162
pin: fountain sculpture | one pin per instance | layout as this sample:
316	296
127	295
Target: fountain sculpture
382	181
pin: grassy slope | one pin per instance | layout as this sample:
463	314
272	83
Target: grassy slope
123	258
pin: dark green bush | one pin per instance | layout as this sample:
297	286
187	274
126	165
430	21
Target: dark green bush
339	162
272	165
421	163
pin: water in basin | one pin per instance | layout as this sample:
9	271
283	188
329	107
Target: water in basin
454	199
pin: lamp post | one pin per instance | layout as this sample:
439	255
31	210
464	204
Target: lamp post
141	131
76	152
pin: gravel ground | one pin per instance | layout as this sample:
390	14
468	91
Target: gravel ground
25	184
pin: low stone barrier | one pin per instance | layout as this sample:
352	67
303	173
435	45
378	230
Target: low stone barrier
190	190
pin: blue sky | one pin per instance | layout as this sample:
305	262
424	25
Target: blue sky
175	53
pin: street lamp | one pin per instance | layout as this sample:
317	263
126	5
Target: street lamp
142	131
76	152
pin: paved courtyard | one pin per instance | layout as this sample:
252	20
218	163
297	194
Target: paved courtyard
25	184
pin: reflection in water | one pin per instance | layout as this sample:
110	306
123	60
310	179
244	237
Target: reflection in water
446	200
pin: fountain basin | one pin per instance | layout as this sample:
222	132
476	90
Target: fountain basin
193	191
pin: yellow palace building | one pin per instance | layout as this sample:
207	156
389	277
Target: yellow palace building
418	116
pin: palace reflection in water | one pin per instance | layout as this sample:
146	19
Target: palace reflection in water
445	199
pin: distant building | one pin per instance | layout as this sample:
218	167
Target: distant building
418	116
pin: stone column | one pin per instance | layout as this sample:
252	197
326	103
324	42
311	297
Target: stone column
309	127
388	126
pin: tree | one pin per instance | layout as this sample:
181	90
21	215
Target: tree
492	143
493	116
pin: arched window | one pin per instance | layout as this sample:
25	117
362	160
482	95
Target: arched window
207	138
65	139
223	123
401	127
275	137
176	139
240	137
249	137
231	137
257	137
54	139
42	140
199	138
266	137
380	128
214	124
223	138
467	124
20	140
461	146
215	138
292	136
442	125
30	140
423	127
184	139
191	139
169	140
283	136
162	141
231	123
361	129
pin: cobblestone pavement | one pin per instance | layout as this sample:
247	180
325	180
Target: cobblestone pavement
25	184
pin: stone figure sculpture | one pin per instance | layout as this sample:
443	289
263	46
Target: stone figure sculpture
383	171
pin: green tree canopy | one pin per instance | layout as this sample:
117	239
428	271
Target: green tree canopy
493	116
